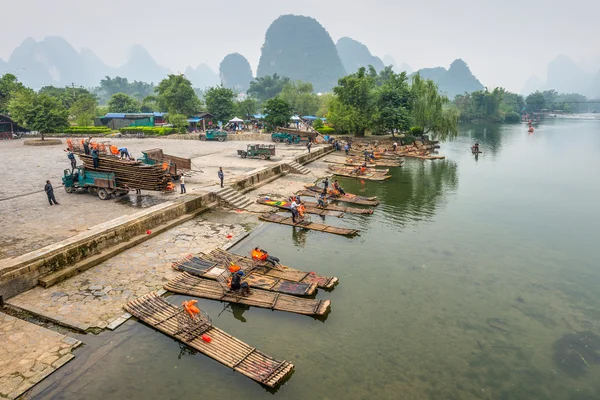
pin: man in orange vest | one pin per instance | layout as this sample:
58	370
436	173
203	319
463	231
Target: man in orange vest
262	255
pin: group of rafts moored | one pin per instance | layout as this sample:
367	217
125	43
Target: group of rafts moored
259	280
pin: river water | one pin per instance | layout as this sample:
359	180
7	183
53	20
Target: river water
474	279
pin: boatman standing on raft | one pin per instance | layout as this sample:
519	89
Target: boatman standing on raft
294	209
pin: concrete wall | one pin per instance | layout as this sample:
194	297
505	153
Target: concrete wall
22	273
313	155
258	177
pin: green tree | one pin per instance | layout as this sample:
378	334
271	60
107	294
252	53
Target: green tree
342	117
179	121
38	112
83	110
9	85
219	102
149	104
535	102
246	107
176	96
324	102
355	93
299	95
392	104
278	112
267	87
123	103
430	111
317	124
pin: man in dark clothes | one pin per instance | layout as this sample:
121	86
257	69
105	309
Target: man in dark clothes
86	147
50	193
221	175
326	183
95	156
237	284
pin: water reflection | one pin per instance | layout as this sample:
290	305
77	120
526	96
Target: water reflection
416	190
489	136
237	310
299	236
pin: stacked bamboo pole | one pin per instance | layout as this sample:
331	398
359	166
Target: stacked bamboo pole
130	174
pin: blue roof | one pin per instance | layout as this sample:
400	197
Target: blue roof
195	119
124	115
259	116
309	117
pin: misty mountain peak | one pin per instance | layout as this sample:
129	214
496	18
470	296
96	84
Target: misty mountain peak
355	54
235	72
459	65
139	53
300	48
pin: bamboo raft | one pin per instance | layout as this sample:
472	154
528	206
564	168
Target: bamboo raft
347	198
279	219
224	348
217	267
370	176
351	170
208	289
130	174
311	207
388	155
369	165
223	258
377	163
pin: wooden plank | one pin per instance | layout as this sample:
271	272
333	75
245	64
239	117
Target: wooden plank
223	347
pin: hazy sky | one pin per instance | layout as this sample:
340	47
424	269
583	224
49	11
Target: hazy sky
504	42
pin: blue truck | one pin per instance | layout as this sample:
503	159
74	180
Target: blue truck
103	184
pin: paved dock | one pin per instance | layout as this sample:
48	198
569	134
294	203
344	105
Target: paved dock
95	298
29	353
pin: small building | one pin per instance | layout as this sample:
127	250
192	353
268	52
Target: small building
121	120
206	118
8	127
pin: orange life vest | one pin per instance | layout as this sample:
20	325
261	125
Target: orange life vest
259	255
190	308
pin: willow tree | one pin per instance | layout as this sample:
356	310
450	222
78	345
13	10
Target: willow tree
431	110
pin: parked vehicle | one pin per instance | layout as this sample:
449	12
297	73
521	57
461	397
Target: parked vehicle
101	183
213	134
264	151
284	137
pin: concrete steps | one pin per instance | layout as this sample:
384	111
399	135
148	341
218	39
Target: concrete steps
297	168
234	198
